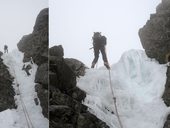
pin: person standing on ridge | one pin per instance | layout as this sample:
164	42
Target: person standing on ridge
99	43
5	49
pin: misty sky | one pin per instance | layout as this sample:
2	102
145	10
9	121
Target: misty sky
18	19
72	23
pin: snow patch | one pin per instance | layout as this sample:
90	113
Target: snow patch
25	91
138	83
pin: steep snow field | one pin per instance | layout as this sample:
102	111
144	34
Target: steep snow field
138	83
16	118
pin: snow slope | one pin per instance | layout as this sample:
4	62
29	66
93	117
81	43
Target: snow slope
138	84
26	93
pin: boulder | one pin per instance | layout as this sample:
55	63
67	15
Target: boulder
155	35
87	120
57	51
43	97
41	76
155	39
66	108
7	92
35	45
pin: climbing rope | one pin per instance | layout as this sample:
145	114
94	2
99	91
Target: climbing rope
27	117
114	98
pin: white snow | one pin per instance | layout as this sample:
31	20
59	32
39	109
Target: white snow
26	91
138	83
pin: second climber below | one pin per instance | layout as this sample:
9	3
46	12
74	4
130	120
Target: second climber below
99	44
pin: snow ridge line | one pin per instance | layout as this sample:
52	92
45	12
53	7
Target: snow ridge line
114	98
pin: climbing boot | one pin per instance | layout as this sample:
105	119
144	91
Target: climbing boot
107	65
93	64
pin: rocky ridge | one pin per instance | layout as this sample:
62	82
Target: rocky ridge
66	108
7	92
35	47
155	39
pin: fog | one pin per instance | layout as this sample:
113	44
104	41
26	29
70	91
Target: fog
18	19
72	23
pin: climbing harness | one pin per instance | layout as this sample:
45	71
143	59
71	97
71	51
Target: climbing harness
114	98
27	117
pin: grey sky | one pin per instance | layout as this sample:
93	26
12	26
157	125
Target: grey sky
18	19
72	23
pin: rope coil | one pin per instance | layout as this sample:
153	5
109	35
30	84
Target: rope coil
114	99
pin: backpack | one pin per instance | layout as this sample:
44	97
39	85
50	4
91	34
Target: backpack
98	40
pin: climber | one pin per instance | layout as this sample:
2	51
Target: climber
27	67
5	49
99	43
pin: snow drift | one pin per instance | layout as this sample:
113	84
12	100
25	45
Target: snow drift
25	94
138	84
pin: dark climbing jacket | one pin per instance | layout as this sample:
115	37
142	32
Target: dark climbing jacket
5	47
99	41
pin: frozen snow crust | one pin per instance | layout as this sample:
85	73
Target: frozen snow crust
15	118
138	83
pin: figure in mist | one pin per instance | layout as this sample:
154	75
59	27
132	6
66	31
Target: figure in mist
99	44
5	49
26	67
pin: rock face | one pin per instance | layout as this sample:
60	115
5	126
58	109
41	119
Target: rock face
6	90
35	46
66	109
155	38
155	35
166	96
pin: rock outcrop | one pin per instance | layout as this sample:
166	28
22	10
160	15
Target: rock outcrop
66	109
155	39
166	96
155	35
7	92
35	46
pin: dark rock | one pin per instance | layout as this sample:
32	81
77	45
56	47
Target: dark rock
41	76
60	125
164	6
155	34
77	67
77	94
66	109
7	92
35	45
1	53
167	123
61	113
87	120
66	79
41	21
155	38
57	51
59	98
166	95
43	97
52	78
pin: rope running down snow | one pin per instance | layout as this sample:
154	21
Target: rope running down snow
27	117
114	98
